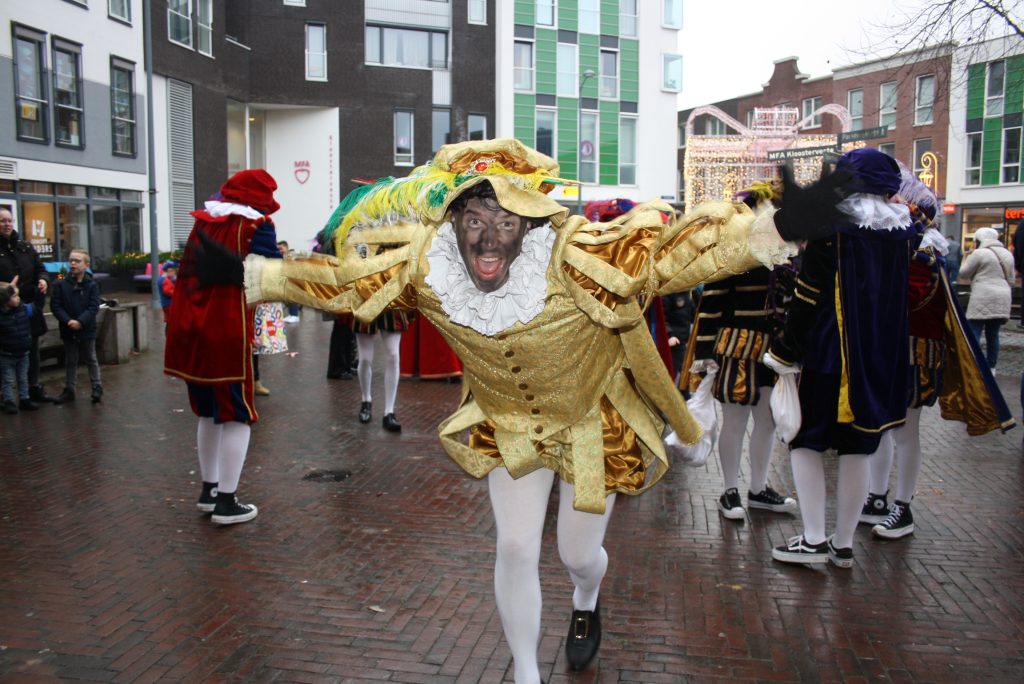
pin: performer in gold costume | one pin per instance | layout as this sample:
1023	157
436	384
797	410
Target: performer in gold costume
561	376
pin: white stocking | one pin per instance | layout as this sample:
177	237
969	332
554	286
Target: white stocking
881	464
365	369
730	442
762	441
580	539
233	446
519	509
208	436
809	478
392	344
908	455
851	490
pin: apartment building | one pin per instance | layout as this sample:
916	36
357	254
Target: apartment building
72	146
986	105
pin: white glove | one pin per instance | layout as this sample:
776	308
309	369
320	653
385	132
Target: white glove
778	366
702	365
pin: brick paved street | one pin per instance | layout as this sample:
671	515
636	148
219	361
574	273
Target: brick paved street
109	574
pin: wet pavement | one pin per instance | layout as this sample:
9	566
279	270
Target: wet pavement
371	558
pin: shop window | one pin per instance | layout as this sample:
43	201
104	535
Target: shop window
30	98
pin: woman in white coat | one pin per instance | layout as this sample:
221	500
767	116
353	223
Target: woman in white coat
989	269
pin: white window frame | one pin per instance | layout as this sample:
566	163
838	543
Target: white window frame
554	130
567	83
382	38
404	158
995	104
918	168
586	118
856	121
295	3
666	59
608	84
623	162
588	16
546	6
888	148
808	106
523	77
125	4
171	13
972	172
714	126
130	121
476	12
204	29
887	110
628	18
73	50
310	53
920	106
672	14
39	103
1014	165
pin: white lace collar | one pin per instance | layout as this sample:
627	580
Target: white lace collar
519	300
871	211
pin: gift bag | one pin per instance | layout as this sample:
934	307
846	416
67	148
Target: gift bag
702	407
785	404
268	329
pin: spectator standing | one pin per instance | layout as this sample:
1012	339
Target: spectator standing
954	256
989	269
15	343
166	285
76	304
18	258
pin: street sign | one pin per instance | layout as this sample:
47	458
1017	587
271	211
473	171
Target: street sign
801	152
863	134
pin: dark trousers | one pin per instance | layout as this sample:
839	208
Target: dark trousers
84	350
341	358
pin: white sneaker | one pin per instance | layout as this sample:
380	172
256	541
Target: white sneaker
291	319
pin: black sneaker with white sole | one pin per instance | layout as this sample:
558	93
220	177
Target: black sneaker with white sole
229	511
899	523
876	509
730	506
771	500
797	550
207	498
841	558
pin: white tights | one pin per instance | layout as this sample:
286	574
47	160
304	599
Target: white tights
520	507
730	441
851	490
905	443
392	342
222	450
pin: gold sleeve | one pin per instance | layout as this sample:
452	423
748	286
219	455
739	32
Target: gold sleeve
714	241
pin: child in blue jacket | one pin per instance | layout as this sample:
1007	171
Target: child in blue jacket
15	343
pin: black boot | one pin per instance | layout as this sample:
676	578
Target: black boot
97	394
364	412
28	405
66	396
584	637
208	497
391	423
229	511
37	393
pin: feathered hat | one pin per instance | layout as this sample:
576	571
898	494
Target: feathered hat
521	178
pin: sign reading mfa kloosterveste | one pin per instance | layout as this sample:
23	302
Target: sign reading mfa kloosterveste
801	152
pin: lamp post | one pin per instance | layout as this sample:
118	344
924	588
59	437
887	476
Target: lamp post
584	77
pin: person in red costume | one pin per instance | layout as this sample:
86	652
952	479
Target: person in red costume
210	337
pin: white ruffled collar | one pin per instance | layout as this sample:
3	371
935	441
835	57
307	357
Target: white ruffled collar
871	211
519	300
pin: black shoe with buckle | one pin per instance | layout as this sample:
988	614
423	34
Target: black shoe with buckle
364	412
584	637
391	423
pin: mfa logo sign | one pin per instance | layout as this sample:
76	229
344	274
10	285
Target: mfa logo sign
302	171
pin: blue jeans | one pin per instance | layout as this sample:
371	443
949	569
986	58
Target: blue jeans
991	327
14	375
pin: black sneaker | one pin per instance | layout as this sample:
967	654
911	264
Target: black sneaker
876	509
841	558
9	408
899	523
797	550
68	395
97	394
208	498
729	505
771	500
391	423
28	405
228	511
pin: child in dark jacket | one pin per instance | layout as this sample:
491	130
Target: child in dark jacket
76	304
15	343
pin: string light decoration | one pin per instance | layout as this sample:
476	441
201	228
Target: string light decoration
716	167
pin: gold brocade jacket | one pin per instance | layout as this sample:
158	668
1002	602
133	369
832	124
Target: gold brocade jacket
580	388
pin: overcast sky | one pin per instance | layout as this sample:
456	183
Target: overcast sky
729	46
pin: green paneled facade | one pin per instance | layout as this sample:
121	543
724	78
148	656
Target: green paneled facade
992	128
545	51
